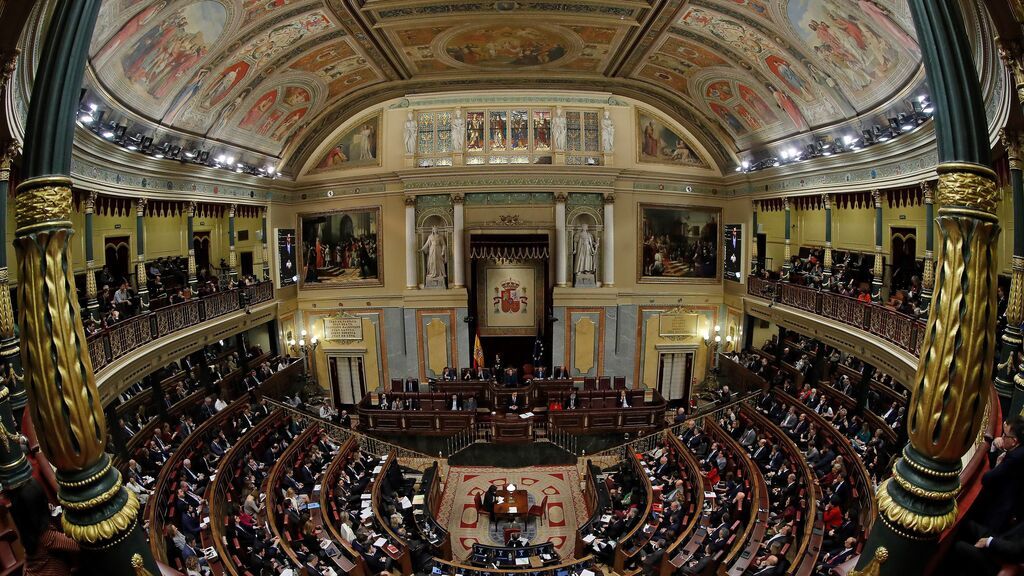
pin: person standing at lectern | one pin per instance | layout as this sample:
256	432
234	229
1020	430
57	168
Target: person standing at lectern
514	402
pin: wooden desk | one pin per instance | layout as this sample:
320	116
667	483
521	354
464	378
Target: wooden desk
515	504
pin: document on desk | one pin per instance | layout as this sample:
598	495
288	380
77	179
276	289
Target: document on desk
367	512
417	499
406	503
526	415
380	542
586	572
522	561
588	538
512	509
377	469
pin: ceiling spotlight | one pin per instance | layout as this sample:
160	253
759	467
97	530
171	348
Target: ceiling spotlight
745	164
191	153
906	122
271	170
784	154
108	134
229	160
219	159
848	139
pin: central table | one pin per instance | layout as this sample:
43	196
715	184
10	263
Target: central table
514	505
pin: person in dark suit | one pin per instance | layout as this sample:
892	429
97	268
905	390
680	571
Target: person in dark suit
490	498
540	373
448	374
1000	497
412	385
455	403
984	553
573	402
835	558
514	402
560	373
623	400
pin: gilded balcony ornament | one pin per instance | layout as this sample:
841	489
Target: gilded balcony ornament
874	567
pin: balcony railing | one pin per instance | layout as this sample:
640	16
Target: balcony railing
902	330
122	338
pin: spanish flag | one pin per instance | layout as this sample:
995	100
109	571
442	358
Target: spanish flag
478	352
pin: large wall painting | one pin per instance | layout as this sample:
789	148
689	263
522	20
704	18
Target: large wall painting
678	243
357	147
658	143
340	248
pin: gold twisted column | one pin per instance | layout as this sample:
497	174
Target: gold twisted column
950	390
64	402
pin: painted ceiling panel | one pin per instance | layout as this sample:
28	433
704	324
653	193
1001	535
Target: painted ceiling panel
265	75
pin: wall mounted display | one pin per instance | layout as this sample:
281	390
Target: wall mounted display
358	146
340	248
678	243
287	257
733	243
658	143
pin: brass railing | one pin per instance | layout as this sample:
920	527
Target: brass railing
122	338
895	327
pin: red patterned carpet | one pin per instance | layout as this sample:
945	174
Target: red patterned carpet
565	509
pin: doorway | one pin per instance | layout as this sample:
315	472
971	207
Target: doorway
903	258
675	372
348	379
245	258
117	254
201	246
762	248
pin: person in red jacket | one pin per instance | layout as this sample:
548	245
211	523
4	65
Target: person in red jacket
833	516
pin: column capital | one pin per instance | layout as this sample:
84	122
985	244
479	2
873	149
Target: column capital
1012	54
8	63
826	201
457	198
90	202
232	210
561	197
876	196
140	206
191	212
9	150
410	200
609	198
1014	143
928	187
786	204
263	212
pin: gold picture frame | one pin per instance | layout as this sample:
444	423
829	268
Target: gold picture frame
357	263
673	241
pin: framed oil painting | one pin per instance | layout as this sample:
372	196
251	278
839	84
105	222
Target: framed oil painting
340	249
658	143
358	146
679	244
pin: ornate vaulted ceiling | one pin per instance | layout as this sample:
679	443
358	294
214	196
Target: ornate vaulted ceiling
275	77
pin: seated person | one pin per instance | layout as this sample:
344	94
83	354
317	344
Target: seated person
572	402
515	403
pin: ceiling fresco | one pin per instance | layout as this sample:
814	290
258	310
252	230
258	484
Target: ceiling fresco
272	76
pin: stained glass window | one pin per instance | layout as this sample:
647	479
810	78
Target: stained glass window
508	136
